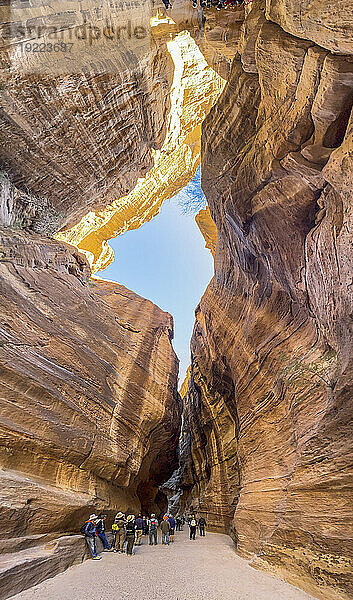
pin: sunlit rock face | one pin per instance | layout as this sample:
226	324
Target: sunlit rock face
220	39
269	399
194	90
89	406
208	229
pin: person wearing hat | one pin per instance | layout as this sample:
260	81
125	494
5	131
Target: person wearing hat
152	529
118	528
165	529
130	534
90	536
101	533
192	525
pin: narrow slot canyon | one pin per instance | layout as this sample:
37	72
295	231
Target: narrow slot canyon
239	116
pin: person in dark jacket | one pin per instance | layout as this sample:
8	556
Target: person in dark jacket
130	529
101	533
90	536
172	527
152	529
119	532
139	529
192	525
202	524
145	526
165	529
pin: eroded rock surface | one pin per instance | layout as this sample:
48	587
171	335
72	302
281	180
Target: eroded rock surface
74	142
269	402
89	417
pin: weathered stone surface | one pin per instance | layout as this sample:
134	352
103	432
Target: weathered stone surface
267	416
84	138
89	417
221	34
328	24
209	231
250	30
29	567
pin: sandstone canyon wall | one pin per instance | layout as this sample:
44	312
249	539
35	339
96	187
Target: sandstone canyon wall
90	413
267	418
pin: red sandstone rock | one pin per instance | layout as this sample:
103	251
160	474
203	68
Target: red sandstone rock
89	417
269	402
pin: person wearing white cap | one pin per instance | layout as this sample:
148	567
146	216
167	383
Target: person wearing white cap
90	530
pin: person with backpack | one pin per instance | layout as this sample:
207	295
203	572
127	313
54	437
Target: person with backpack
139	529
193	525
89	530
165	529
152	529
172	527
101	533
130	529
119	529
202	525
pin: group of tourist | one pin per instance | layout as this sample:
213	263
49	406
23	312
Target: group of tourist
128	531
218	4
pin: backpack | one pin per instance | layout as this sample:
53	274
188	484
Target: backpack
83	529
153	524
193	523
115	527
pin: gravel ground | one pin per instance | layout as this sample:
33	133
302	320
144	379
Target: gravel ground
204	569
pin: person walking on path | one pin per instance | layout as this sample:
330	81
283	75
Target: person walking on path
139	529
178	523
101	533
90	532
172	527
145	526
193	525
202	524
152	529
119	524
130	529
165	529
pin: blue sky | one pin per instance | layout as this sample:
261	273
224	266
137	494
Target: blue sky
166	261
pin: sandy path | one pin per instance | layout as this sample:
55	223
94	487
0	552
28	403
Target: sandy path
204	569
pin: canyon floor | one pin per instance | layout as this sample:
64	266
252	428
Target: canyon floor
204	569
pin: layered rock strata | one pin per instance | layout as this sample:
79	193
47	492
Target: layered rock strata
269	403
84	134
89	417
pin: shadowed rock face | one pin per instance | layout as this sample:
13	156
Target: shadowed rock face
269	403
90	410
84	139
89	407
